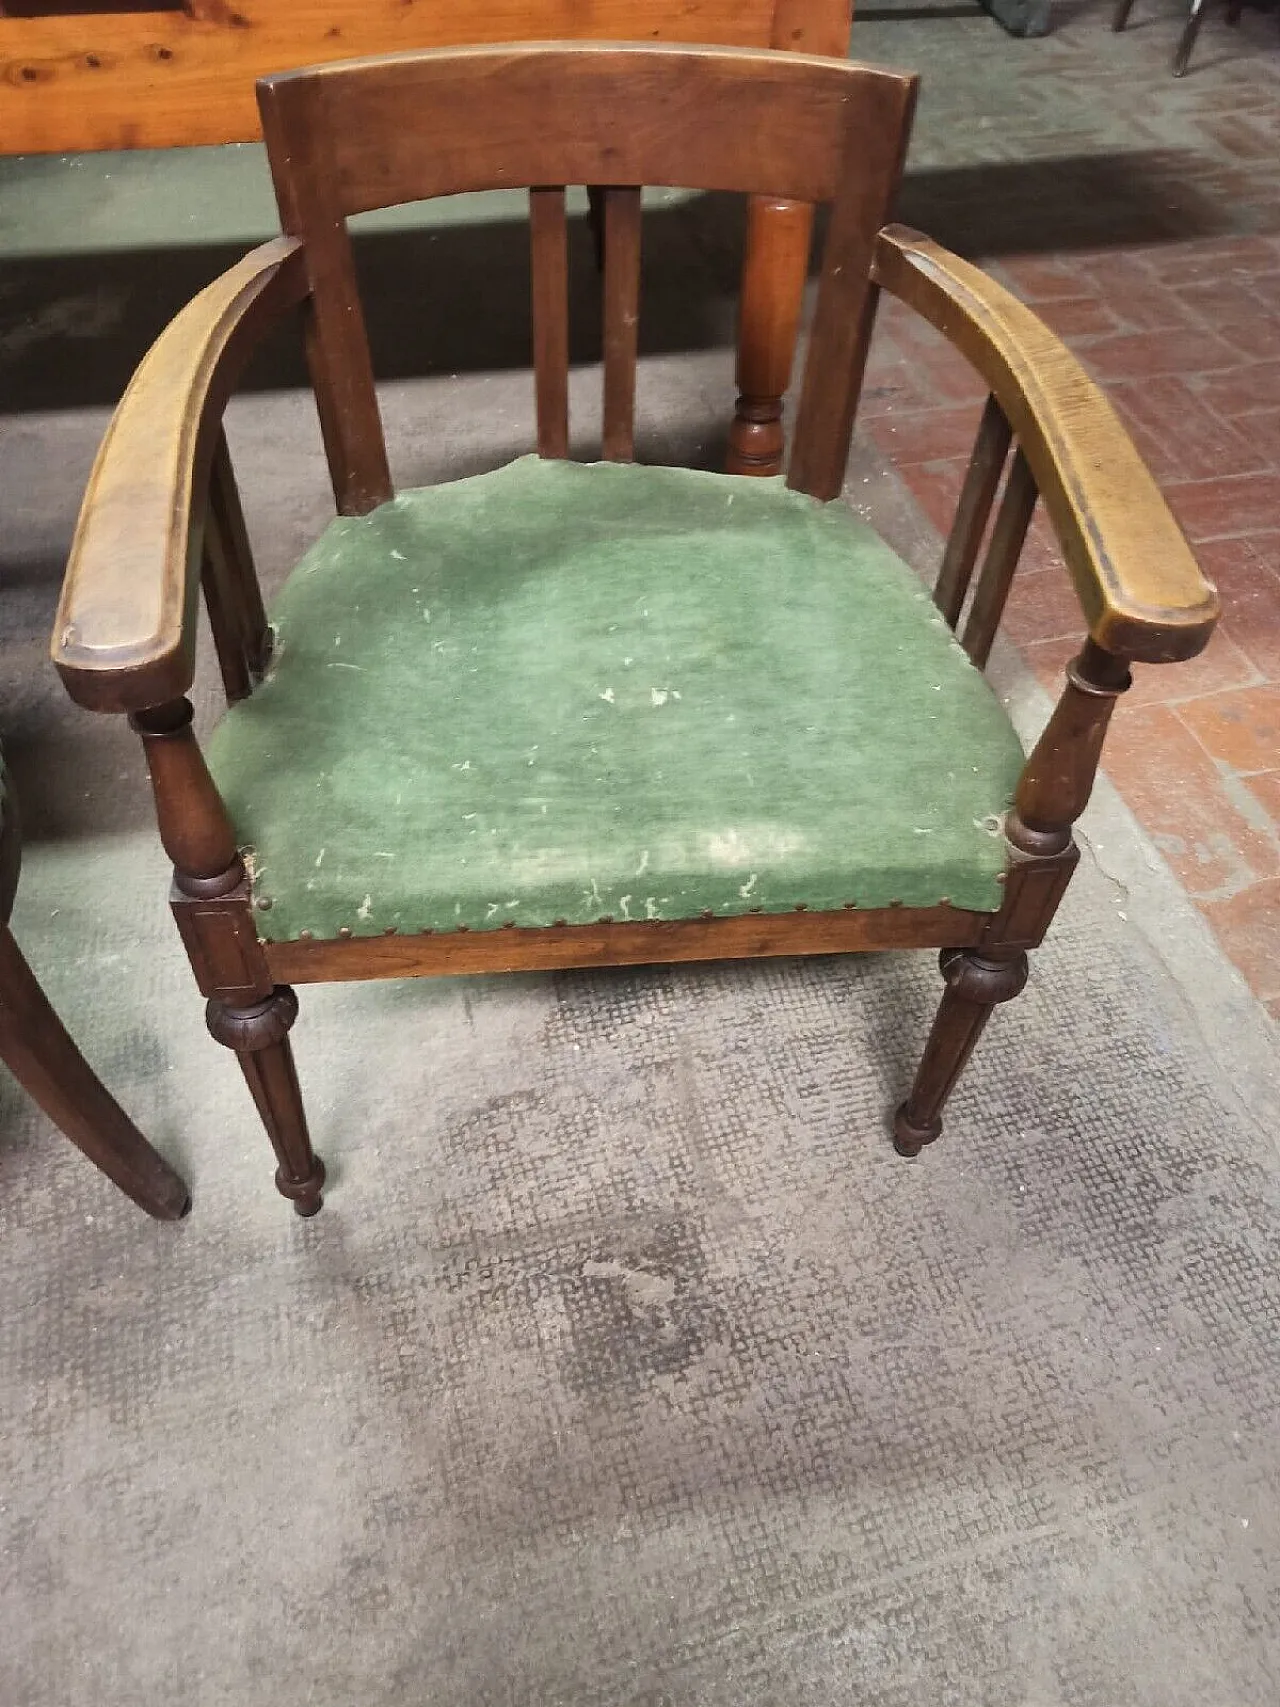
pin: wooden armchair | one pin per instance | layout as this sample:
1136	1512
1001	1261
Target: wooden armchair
594	714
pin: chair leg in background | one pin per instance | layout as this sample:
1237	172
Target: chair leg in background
1120	17
259	1034
975	984
1182	57
39	1053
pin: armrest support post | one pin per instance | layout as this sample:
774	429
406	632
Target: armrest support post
1058	778
194	826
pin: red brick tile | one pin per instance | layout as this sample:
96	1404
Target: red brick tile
1038	280
1239	727
1179	437
1245	390
1077	317
941	372
891	383
936	488
1239	137
1248	927
1246	573
1183	803
1042	606
1178	350
1221	667
1206	260
1219	509
928	435
1137	296
1265	789
1244	316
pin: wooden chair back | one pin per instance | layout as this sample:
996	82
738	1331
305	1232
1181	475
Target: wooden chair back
346	139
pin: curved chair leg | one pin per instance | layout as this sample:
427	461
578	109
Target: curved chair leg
1182	56
1120	17
41	1056
259	1034
975	984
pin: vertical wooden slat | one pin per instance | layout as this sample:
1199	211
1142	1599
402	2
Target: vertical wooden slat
224	613
224	507
875	145
977	495
550	261
1012	522
621	320
296	134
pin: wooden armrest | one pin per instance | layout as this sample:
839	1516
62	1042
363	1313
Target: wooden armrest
1141	589
124	637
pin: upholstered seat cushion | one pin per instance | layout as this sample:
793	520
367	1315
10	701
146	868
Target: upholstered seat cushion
566	692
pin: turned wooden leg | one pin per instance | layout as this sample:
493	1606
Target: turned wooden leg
46	1063
1052	792
259	1034
773	277
976	982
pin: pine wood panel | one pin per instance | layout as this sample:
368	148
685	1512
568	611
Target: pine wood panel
166	79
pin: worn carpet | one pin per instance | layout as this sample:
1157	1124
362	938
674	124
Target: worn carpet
626	1363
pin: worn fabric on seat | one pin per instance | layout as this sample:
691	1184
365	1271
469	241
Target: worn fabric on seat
567	692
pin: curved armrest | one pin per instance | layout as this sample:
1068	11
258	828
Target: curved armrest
1141	589
124	637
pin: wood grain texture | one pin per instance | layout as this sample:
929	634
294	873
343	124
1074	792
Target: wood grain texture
162	79
1058	777
981	482
194	826
775	267
876	130
1142	592
124	637
549	264
746	937
621	321
417	125
1007	536
227	516
300	155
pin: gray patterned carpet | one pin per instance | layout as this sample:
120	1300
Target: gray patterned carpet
627	1364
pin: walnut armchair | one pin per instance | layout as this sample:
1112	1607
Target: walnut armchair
577	714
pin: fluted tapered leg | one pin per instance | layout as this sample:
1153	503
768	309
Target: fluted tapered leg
259	1034
975	984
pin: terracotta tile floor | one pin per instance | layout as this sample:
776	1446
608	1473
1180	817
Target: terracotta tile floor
1141	216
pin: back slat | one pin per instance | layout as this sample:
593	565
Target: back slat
621	321
990	449
299	151
411	126
1012	521
874	145
550	260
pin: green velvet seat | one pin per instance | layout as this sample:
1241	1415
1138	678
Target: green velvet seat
569	692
